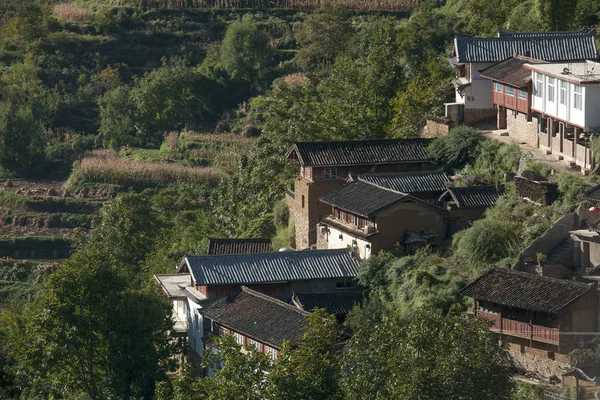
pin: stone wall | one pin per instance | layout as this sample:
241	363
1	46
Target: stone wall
479	114
437	127
454	112
541	362
540	192
301	227
519	128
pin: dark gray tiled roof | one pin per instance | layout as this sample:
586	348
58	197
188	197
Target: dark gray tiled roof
510	71
241	269
476	196
593	194
581	32
409	182
258	316
526	291
238	246
338	304
547	47
361	152
362	198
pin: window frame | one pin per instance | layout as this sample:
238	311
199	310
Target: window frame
562	92
498	87
239	339
539	85
510	91
222	331
578	95
271	352
330	173
522	94
551	85
253	344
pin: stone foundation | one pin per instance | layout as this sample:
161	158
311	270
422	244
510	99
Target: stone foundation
541	192
302	228
519	128
541	362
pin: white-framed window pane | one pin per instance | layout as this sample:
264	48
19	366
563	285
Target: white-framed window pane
239	339
577	97
522	94
222	331
498	87
563	92
550	89
510	91
271	352
539	85
253	344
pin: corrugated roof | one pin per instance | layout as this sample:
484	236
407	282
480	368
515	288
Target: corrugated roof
476	196
593	194
361	152
542	46
258	316
581	32
510	71
241	269
409	182
362	198
238	246
526	291
338	304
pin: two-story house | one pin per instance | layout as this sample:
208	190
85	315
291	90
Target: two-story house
473	97
369	218
512	93
542	318
324	166
565	100
201	279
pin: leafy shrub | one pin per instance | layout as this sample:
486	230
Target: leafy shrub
457	149
538	168
571	188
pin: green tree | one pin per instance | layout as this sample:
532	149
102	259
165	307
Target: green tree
116	118
435	356
245	52
457	149
89	333
558	15
321	37
22	139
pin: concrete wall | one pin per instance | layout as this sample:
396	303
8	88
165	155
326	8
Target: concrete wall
338	239
521	129
551	238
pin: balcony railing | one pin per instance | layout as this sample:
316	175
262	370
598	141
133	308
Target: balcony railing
510	327
180	326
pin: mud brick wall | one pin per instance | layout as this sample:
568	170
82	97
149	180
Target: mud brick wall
541	192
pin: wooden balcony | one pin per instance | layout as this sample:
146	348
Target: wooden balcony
510	327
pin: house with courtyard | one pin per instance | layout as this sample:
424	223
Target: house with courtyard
474	99
541	318
202	279
324	166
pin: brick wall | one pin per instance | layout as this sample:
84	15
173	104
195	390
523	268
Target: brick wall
437	127
519	128
542	362
541	192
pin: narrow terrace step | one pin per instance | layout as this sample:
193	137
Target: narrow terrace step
559	251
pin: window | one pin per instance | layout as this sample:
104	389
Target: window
577	97
497	87
302	201
271	352
253	344
301	170
342	214
309	172
522	94
239	339
551	89
222	331
344	284
562	97
354	219
330	173
539	85
510	91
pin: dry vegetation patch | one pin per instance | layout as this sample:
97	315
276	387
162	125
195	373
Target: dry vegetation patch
70	12
105	166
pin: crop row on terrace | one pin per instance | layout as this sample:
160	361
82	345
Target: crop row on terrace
106	167
16	202
34	247
386	5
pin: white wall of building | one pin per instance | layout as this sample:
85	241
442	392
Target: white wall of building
480	91
195	328
338	239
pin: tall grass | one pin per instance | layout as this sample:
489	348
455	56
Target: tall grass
105	166
70	12
387	5
21	203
